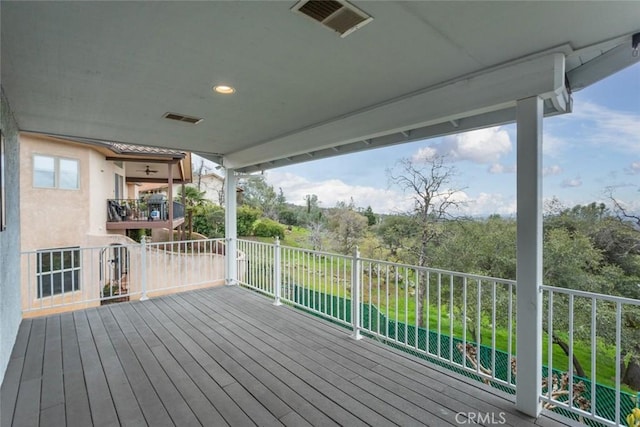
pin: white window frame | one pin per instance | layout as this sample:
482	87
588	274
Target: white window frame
56	172
44	279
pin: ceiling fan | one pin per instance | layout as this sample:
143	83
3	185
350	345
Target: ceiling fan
148	170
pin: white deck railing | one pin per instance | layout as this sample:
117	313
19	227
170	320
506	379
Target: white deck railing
460	311
468	321
588	323
464	321
80	277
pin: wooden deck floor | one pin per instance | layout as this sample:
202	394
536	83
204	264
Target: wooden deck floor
225	356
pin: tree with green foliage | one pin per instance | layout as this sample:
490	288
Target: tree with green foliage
192	198
258	194
371	217
397	232
429	184
347	227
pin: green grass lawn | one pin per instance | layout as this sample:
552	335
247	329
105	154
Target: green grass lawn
405	312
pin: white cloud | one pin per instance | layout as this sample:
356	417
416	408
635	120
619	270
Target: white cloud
478	146
553	145
575	182
424	154
633	169
614	129
552	170
490	203
331	191
497	168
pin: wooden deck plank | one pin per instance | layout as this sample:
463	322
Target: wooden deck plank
152	408
277	384
443	396
229	410
252	407
77	410
333	384
203	372
11	382
175	405
265	377
52	393
129	412
27	410
393	404
103	411
278	387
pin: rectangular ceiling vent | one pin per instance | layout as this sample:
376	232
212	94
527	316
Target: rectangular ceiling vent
182	118
337	15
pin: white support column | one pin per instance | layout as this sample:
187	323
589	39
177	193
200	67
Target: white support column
230	227
529	255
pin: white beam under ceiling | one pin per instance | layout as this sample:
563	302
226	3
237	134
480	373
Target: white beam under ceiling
445	105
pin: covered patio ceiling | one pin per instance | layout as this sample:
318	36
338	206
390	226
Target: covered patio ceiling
111	70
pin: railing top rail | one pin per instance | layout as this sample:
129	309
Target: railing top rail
217	239
255	242
114	245
80	248
441	271
390	263
593	295
309	251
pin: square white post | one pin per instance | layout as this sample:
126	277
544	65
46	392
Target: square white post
529	255
230	227
143	270
355	294
277	271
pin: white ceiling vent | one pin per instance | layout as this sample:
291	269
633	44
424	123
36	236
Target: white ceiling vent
337	15
182	118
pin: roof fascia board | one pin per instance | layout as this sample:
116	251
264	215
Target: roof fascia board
494	90
601	66
142	159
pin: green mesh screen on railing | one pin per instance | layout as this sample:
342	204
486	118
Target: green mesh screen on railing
403	337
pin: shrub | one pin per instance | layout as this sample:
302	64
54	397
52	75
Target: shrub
246	217
209	220
265	227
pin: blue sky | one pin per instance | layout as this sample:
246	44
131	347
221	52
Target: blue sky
585	152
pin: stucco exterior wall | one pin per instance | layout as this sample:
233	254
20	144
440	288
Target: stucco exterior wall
53	217
212	185
10	315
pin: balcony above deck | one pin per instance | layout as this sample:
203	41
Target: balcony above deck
132	214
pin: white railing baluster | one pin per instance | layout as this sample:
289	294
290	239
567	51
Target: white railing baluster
439	334
593	356
143	267
493	330
451	318
571	367
550	344
277	274
618	347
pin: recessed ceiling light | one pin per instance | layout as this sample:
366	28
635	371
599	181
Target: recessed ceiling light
223	89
